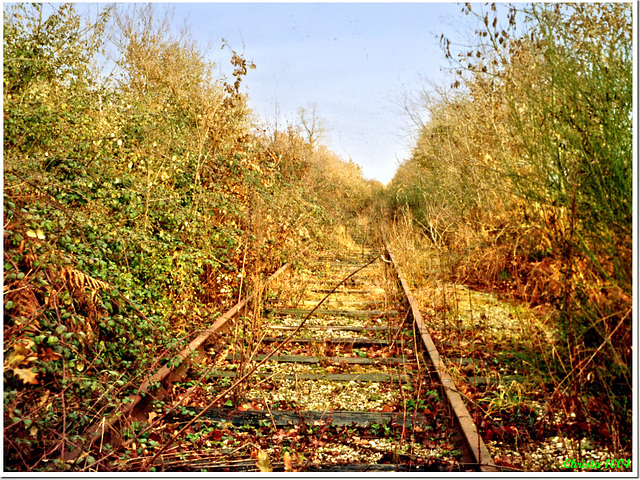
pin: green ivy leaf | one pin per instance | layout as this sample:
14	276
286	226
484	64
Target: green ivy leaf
38	233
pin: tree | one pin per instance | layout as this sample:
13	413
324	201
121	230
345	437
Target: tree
313	127
544	109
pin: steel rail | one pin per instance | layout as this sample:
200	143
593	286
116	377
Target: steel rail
136	406
473	442
157	385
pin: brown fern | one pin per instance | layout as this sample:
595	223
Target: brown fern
78	284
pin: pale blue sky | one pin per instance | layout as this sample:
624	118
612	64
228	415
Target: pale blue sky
353	60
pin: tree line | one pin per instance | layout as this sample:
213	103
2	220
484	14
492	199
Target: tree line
522	176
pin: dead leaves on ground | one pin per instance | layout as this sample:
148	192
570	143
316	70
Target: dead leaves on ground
19	361
263	463
20	358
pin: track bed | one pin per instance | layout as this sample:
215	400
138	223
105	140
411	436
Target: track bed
346	393
325	371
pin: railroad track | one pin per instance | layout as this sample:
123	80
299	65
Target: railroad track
328	369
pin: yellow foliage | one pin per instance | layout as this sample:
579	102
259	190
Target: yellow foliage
79	280
264	465
18	359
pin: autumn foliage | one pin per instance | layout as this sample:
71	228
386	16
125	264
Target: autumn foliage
140	194
522	178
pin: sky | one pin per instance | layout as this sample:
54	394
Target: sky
355	62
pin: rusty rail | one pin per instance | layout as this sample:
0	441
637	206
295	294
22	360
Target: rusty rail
137	406
473	442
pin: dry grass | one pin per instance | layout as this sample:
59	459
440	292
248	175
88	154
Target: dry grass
509	343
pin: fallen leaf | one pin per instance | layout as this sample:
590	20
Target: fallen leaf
464	390
22	352
288	464
264	465
488	435
44	398
244	407
27	375
16	357
50	356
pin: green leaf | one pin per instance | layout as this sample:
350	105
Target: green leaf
38	233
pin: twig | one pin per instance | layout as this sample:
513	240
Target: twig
250	372
584	363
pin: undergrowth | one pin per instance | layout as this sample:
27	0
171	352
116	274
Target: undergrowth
512	193
138	206
509	361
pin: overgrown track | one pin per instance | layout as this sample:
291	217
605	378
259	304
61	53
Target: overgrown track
326	374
